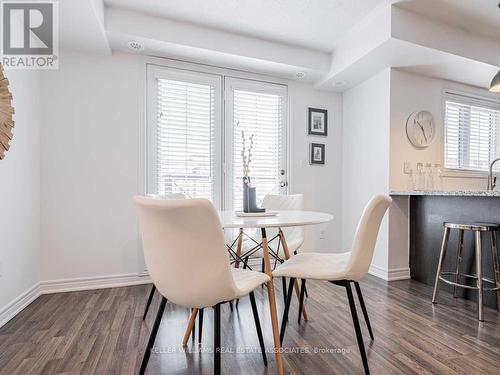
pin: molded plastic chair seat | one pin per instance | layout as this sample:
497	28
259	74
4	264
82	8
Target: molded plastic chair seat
316	266
159	196
187	259
246	280
339	268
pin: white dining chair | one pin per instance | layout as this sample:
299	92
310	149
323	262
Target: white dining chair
153	288
188	262
294	235
340	268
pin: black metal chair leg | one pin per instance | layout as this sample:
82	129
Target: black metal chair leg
283	281
357	328
263	270
363	308
287	308
301	301
231	304
307	294
217	348
200	325
257	326
193	331
150	298
152	336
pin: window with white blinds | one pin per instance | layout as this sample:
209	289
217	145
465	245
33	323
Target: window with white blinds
261	115
472	133
184	114
194	135
185	133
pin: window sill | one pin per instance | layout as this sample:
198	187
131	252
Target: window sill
462	173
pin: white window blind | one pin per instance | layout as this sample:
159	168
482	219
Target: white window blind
472	133
193	142
260	114
185	138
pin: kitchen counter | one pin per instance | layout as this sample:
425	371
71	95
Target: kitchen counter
425	212
444	193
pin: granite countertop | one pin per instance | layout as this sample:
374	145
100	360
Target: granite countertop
456	193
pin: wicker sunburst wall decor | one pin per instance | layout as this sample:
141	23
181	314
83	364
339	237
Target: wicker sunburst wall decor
6	112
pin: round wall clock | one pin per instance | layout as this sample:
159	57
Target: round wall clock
6	112
420	129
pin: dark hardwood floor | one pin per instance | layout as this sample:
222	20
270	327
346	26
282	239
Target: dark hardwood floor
102	332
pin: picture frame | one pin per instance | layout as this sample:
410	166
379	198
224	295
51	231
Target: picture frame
317	154
317	122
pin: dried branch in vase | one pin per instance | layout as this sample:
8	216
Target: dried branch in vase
246	156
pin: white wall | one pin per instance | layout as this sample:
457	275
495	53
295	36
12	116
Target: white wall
365	160
20	195
412	92
91	162
89	167
321	185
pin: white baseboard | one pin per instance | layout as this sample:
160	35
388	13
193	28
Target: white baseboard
89	283
399	274
69	285
390	275
18	304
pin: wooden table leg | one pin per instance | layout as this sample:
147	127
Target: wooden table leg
296	284
192	321
238	247
272	303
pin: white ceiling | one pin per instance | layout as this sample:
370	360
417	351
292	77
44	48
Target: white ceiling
477	16
313	24
81	26
327	40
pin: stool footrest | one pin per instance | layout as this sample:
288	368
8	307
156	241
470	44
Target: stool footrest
497	287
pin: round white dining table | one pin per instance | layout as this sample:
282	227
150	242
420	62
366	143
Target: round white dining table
282	219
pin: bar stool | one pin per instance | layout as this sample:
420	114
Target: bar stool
478	229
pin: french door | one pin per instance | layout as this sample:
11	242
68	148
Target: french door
258	109
194	135
184	121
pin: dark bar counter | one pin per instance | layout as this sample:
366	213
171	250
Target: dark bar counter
427	212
